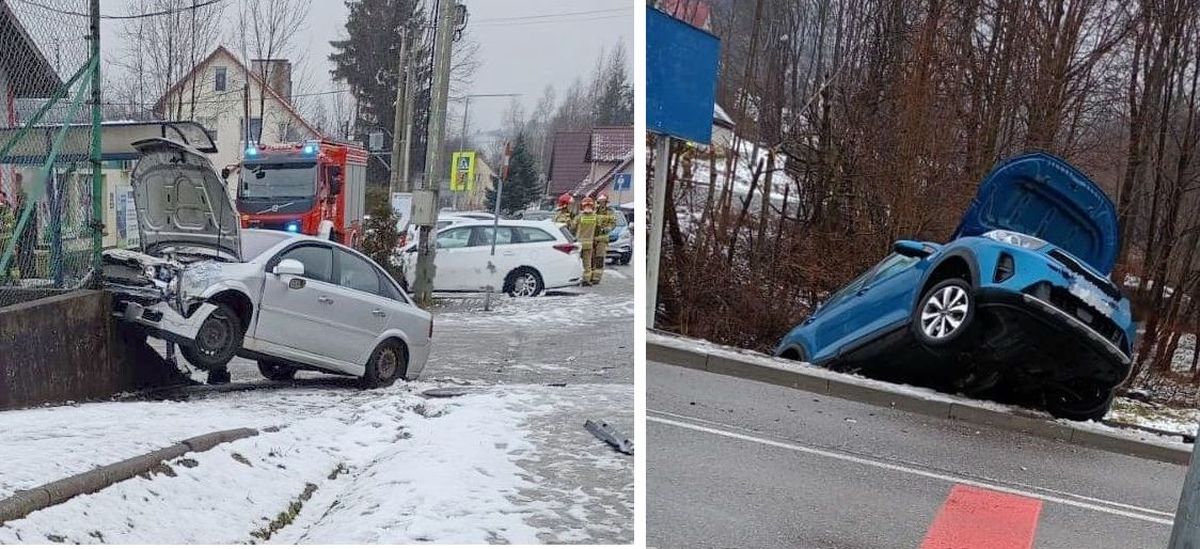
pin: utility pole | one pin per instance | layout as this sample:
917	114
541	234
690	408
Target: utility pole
438	96
399	179
408	124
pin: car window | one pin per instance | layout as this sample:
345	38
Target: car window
846	290
317	261
483	236
454	238
356	273
533	234
891	265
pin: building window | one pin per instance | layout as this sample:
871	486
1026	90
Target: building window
255	129
219	79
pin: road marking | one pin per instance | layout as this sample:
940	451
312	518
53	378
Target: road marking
1073	500
983	519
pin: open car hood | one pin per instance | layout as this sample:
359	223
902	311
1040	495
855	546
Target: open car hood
181	200
1042	195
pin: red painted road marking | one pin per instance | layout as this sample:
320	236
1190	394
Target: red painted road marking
974	518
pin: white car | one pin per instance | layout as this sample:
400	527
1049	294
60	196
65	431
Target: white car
291	302
531	257
411	234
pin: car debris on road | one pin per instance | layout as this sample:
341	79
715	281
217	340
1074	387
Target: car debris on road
608	434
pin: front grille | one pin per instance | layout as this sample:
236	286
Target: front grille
1065	301
1104	284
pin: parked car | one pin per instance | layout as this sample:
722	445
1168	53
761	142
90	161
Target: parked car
1022	291
531	257
411	233
534	215
620	245
469	214
291	302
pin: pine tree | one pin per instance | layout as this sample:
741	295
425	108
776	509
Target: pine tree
522	188
367	60
614	101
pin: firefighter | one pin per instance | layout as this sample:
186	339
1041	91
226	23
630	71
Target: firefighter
563	215
605	223
584	227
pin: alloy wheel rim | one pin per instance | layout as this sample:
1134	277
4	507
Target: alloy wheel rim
387	364
523	286
944	312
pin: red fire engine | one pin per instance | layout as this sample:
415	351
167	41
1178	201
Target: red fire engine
316	187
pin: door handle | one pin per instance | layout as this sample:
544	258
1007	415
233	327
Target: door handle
325	299
379	313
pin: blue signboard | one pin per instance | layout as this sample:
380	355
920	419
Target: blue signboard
622	182
681	78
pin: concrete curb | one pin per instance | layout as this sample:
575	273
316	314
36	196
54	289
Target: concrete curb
25	502
708	357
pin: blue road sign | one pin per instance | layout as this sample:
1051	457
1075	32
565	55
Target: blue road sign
622	182
681	78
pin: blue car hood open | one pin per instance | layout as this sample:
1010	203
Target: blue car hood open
1041	195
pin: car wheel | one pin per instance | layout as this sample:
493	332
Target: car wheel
625	259
217	341
944	313
275	371
387	363
1080	400
524	282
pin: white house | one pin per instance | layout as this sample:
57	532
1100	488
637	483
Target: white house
213	94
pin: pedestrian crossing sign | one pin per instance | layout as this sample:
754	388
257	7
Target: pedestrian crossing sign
462	171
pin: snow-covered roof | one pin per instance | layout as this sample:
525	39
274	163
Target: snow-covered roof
721	118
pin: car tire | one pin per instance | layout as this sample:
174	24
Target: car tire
276	371
625	259
523	282
1080	400
217	341
388	363
937	326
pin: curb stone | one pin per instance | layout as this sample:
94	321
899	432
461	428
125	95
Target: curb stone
25	502
712	358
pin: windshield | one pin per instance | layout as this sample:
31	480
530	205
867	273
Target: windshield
287	180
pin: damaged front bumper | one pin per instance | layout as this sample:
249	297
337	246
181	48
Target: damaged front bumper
145	291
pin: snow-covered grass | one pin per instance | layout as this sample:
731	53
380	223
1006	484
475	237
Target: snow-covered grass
383	466
1154	416
747	162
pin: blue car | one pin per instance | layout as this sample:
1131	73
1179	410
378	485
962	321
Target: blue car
1020	297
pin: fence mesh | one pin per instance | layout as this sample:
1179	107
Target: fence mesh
47	235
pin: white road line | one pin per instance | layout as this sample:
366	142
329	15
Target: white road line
1100	505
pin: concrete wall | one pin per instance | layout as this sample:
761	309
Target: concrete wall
68	347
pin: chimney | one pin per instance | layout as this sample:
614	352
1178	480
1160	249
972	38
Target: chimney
278	75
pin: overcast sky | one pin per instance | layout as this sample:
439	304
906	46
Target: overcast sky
523	45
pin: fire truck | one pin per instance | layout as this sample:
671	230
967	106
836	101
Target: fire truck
315	187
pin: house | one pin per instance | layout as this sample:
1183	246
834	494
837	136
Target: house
25	73
568	162
723	129
585	162
213	95
696	13
609	152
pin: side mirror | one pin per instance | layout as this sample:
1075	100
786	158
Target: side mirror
911	248
289	267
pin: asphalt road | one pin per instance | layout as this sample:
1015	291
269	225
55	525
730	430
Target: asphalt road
734	463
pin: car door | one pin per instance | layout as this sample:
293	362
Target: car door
887	296
451	259
489	270
833	319
358	311
295	309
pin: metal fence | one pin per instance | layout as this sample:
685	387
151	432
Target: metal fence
49	131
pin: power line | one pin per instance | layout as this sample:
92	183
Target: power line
199	101
129	16
625	11
514	23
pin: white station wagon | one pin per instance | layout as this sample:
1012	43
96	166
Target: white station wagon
291	302
531	257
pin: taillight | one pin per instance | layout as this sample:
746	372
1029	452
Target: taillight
566	248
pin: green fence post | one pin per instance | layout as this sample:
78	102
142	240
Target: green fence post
97	180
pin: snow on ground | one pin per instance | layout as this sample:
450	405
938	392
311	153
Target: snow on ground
747	163
1152	416
347	466
563	309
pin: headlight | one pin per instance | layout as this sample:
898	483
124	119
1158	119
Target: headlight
1016	239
